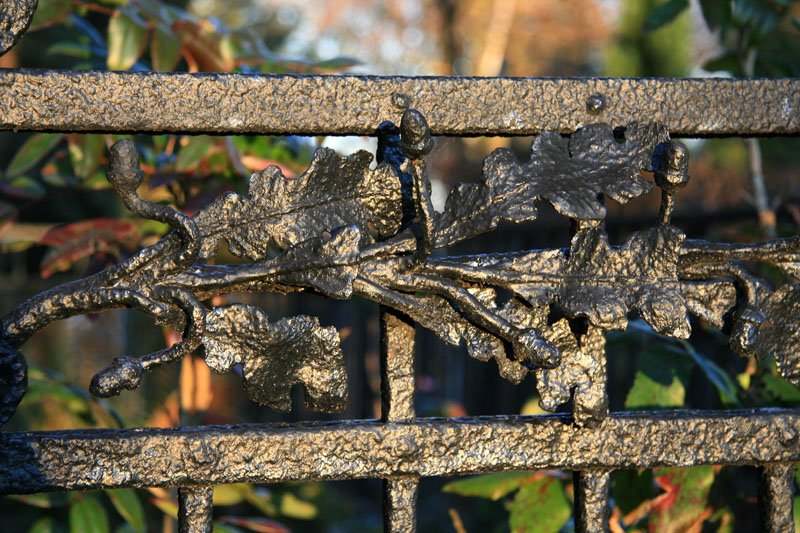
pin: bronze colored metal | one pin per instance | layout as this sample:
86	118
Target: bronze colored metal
777	497
262	453
591	500
15	17
346	227
194	509
160	102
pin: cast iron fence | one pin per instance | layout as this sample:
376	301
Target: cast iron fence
345	228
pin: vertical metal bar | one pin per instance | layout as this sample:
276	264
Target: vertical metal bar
397	405
776	491
195	509
591	500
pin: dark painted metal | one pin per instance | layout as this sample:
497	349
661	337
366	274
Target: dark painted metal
211	455
777	497
158	102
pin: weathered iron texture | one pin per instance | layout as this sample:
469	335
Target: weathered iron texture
777	497
591	500
211	455
157	102
195	510
15	17
344	228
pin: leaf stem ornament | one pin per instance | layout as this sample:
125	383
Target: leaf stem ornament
345	227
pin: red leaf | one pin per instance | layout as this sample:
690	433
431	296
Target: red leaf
257	524
75	241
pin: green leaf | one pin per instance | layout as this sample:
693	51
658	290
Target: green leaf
45	525
631	487
165	50
665	13
85	152
229	494
127	504
336	64
540	506
70	49
490	486
660	381
35	148
796	512
782	390
126	41
47	500
192	152
87	515
724	63
726	387
50	13
23	187
682	504
294	507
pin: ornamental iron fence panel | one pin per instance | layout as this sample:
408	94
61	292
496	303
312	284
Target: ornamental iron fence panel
347	228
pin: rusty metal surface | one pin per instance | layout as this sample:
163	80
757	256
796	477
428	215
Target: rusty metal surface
195	510
591	500
93	459
776	490
156	102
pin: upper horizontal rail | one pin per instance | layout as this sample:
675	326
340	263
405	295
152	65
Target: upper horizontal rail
156	102
65	460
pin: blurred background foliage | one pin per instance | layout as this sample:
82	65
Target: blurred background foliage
59	220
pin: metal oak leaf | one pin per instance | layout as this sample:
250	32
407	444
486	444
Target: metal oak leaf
774	331
275	356
334	192
568	171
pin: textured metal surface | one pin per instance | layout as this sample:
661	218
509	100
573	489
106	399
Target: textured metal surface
777	497
355	105
345	227
15	17
46	461
591	500
400	504
194	509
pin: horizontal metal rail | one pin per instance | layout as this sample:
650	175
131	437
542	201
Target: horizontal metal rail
155	102
94	459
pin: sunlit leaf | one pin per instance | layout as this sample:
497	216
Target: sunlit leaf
35	148
87	515
660	381
540	506
195	149
127	504
684	503
71	242
85	152
46	500
489	486
294	507
165	50
232	494
50	13
126	41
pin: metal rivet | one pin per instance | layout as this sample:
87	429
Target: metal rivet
596	103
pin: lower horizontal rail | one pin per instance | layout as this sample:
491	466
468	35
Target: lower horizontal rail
94	459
